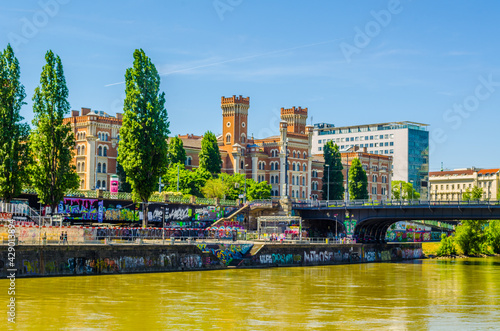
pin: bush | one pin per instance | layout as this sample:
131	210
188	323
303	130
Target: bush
447	246
493	235
471	237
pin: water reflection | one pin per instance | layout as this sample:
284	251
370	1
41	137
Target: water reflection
436	294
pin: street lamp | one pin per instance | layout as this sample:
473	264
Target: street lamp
95	164
327	166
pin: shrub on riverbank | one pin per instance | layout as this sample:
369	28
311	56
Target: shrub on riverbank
470	236
493	236
447	246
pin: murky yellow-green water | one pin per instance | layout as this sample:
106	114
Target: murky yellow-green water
430	294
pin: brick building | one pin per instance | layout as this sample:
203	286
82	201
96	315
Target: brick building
97	135
264	159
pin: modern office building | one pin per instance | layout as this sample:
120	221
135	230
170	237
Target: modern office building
96	147
406	142
449	185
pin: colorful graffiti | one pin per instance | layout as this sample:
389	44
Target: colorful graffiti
84	209
226	252
280	259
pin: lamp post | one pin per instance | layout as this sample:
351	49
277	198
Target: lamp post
327	166
245	181
95	165
412	189
286	168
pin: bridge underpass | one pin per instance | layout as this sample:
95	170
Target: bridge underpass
373	221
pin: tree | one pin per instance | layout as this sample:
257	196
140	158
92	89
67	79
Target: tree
190	182
214	188
210	159
476	193
401	190
447	246
358	182
493	235
176	151
258	191
122	177
332	172
143	148
471	237
51	142
14	147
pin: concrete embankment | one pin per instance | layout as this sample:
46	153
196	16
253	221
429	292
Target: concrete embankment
52	260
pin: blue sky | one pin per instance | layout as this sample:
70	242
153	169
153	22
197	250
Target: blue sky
349	62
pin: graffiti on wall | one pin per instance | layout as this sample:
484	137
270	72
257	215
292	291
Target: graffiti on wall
84	209
280	258
226	252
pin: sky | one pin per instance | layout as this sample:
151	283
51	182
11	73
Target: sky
348	62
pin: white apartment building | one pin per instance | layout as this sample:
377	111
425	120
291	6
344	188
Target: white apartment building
407	143
450	185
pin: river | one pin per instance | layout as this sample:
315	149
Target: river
418	295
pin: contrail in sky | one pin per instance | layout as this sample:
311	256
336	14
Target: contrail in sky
239	59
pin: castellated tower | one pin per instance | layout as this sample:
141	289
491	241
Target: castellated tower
296	119
234	119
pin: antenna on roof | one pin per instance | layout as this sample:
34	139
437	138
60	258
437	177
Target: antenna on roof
311	120
441	165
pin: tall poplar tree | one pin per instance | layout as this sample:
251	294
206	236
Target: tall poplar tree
14	147
52	142
210	159
358	181
332	174
176	151
143	148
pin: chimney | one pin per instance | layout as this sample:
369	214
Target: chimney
75	113
85	111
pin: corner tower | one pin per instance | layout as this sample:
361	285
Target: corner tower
296	119
234	120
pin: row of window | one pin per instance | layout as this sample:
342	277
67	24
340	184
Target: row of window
103	136
242	140
459	186
101	167
101	151
359	138
295	154
383	190
375	178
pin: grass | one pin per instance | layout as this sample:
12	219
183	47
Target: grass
430	248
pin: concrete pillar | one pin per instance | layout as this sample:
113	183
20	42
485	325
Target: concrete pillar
255	167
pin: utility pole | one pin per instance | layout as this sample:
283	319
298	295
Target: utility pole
177	177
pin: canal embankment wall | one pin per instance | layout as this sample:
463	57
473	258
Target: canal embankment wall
69	260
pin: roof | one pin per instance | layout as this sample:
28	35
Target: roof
488	171
452	172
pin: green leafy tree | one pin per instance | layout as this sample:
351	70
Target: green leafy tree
476	193
235	185
122	177
401	190
332	172
258	191
493	235
215	188
447	246
470	236
190	182
176	151
209	156
14	147
358	181
142	150
51	142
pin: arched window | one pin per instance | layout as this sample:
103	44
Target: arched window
243	138
103	184
82	184
78	167
78	150
99	136
83	166
83	150
293	167
293	194
228	138
105	151
293	180
277	180
303	181
305	155
272	179
303	194
98	167
99	151
106	137
294	155
304	167
98	184
104	167
272	165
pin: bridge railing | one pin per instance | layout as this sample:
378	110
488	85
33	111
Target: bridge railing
361	203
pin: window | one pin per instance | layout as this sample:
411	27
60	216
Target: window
78	167
293	167
374	178
228	138
391	143
272	179
305	155
82	184
188	160
303	181
103	183
99	136
319	149
276	180
374	190
78	150
83	150
105	151
243	138
242	165
83	166
293	180
304	167
98	185
384	179
104	167
98	167
99	151
294	155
